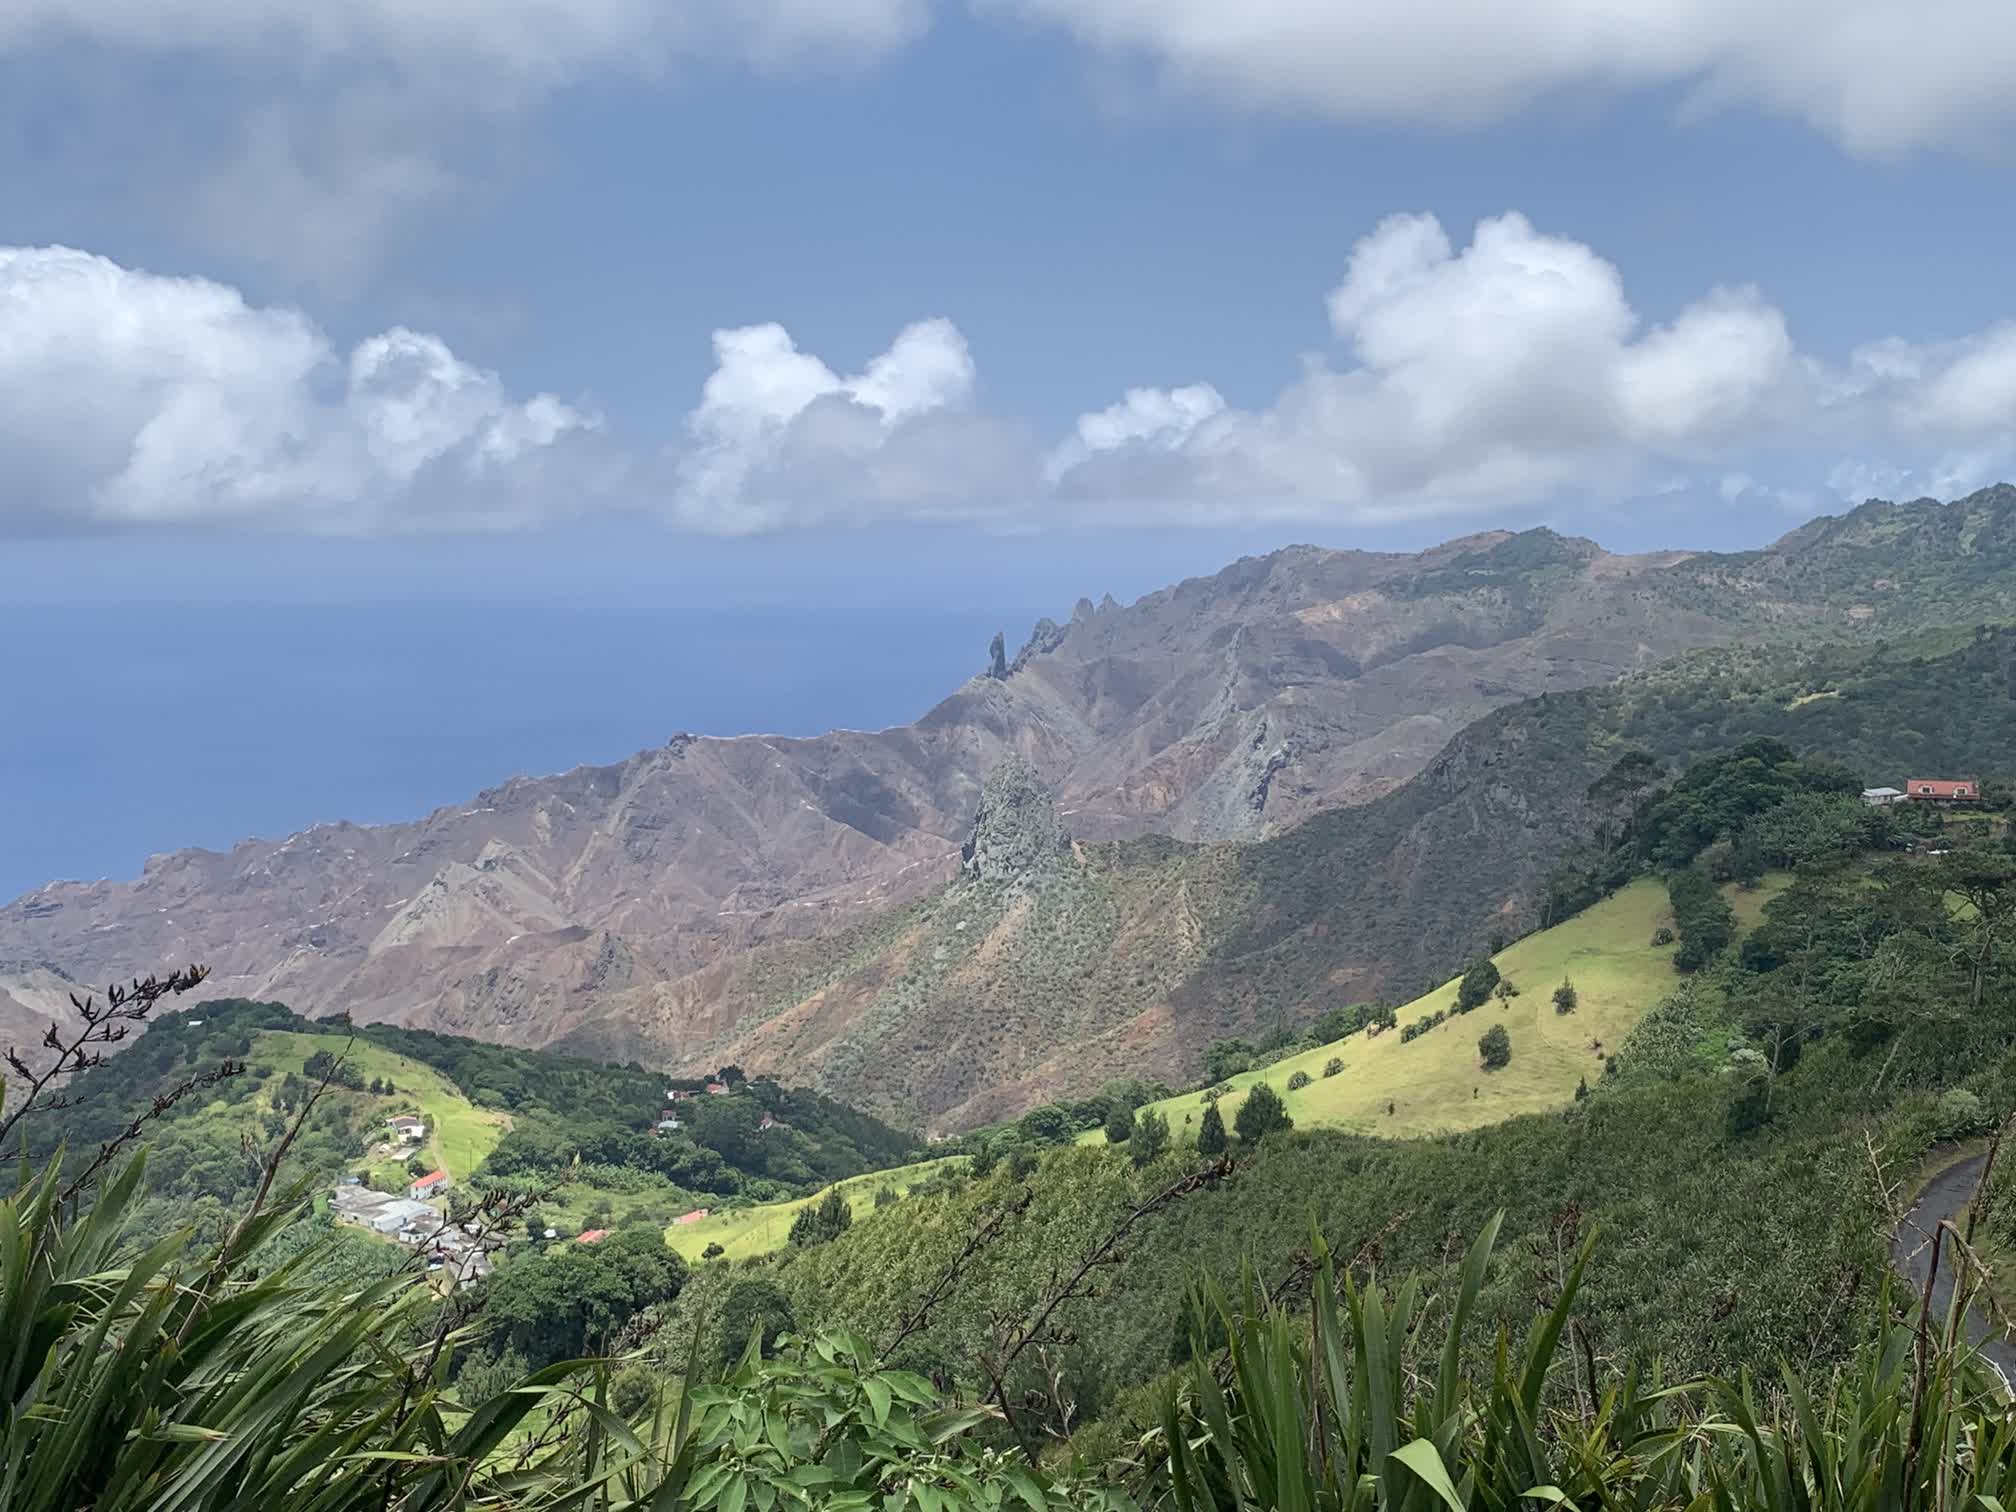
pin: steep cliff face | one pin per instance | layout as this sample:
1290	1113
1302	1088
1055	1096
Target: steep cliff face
1232	707
1017	835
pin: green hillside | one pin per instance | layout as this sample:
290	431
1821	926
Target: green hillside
582	1134
744	1233
1730	1167
463	1134
1433	1081
1434	1084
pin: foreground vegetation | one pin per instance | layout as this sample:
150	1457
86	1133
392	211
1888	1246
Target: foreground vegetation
173	1376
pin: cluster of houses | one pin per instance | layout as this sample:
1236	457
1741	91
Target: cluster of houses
1940	790
460	1249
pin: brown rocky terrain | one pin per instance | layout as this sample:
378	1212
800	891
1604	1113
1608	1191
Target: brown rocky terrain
1225	708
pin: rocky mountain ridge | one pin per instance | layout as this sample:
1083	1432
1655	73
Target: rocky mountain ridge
1226	708
1045	978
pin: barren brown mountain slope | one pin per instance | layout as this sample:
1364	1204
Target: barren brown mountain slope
1228	707
1049	966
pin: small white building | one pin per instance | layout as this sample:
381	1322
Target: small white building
405	1219
1877	797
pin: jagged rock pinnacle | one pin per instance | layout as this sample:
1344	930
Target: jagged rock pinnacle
1045	638
997	658
1016	831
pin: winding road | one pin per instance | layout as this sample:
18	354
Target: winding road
1945	1199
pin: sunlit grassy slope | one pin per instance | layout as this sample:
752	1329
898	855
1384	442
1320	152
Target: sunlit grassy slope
463	1132
1434	1084
751	1231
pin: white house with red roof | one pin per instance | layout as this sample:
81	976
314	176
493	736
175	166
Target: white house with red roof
433	1184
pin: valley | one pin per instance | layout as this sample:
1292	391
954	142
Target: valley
664	905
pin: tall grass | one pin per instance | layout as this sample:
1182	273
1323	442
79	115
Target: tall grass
1362	1399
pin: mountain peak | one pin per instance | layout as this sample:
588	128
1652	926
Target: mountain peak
1016	830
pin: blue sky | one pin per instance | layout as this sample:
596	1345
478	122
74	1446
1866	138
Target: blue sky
461	307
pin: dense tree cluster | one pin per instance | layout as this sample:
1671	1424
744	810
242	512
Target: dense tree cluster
565	1300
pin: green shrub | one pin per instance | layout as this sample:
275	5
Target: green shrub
1211	1133
1298	1081
1476	986
1495	1047
1150	1136
1333	1065
1262	1113
1959	1115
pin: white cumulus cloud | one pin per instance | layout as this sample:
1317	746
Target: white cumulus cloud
129	396
1877	75
1513	368
1507	371
779	438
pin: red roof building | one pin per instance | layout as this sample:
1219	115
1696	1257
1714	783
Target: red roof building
717	1089
591	1236
693	1217
426	1186
1941	790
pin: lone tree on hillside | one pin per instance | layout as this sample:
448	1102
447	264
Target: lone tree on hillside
1476	986
1564	997
1151	1136
1495	1046
1262	1113
1211	1133
1119	1123
829	1218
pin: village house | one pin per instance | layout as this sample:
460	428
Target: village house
693	1217
1878	797
351	1203
398	1218
433	1184
406	1220
1943	790
406	1128
717	1089
591	1236
767	1121
668	1120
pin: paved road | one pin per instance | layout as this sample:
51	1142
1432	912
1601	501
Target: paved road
1946	1198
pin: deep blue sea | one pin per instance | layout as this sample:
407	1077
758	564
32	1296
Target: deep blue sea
133	729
